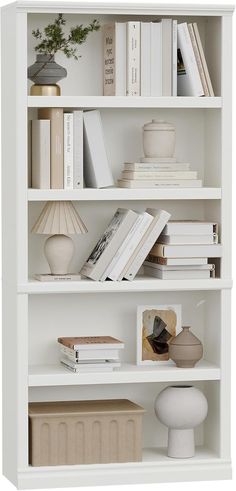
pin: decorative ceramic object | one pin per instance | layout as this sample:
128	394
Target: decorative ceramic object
59	219
185	349
158	139
45	72
181	408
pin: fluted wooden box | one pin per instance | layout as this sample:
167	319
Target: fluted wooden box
85	432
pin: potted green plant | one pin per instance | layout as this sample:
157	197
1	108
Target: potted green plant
45	72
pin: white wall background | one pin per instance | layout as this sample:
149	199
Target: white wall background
206	486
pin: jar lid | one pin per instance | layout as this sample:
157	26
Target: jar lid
159	125
185	338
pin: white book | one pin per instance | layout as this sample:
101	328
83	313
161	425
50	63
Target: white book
175	261
68	150
190	227
90	354
97	172
203	59
188	239
174	57
122	248
56	277
167	67
41	154
156	59
153	167
158	160
161	183
29	136
189	250
198	60
109	243
78	163
131	246
177	275
164	267
114	51
145	53
160	219
108	366
156	175
189	81
133	58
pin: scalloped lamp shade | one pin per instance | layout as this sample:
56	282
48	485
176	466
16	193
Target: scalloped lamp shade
59	219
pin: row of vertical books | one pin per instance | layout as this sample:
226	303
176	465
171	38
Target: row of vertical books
155	59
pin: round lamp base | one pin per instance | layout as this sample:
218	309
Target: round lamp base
59	250
48	90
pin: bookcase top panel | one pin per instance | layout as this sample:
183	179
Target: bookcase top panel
127	8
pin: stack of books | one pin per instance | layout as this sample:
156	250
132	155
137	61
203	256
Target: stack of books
126	242
154	59
183	250
158	173
90	354
68	148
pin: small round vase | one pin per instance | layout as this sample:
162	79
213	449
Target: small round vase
185	349
181	409
45	73
158	139
59	250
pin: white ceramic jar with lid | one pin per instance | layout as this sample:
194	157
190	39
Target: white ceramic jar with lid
158	139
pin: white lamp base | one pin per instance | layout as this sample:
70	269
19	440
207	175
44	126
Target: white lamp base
59	251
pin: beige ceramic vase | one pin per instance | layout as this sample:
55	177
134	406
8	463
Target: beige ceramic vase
185	349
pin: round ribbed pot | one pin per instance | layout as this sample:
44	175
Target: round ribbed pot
185	349
158	139
45	71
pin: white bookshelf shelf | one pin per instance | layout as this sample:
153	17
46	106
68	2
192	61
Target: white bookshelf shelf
119	194
140	284
91	102
54	375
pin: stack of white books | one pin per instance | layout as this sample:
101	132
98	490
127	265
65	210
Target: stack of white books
68	150
158	173
90	354
161	58
126	242
183	250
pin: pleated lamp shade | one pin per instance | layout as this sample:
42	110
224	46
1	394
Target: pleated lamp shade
59	217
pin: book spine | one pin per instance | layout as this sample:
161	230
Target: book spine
145	59
41	154
156	175
190	64
175	251
133	59
166	57
68	151
155	167
120	58
156	59
139	184
148	243
29	135
109	83
203	59
198	60
78	177
55	115
174	58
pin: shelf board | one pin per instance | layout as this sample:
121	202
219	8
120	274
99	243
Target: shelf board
154	467
119	194
54	375
139	284
93	102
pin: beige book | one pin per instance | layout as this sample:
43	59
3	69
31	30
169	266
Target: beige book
203	59
198	60
57	129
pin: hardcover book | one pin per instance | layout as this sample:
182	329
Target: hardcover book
40	154
55	115
189	81
88	342
114	49
78	164
133	58
68	150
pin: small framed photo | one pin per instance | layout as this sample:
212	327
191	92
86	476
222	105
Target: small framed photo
156	327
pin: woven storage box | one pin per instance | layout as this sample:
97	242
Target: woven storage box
86	432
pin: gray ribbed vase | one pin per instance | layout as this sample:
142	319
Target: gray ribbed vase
45	71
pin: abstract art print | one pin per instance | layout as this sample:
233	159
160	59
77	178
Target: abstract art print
156	327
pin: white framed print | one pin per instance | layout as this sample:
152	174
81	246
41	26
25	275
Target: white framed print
156	327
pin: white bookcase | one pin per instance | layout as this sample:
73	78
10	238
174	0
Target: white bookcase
36	313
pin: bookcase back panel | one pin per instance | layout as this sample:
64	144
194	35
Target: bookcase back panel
97	216
154	433
85	77
198	138
52	316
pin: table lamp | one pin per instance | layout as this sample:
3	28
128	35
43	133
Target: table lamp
59	219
